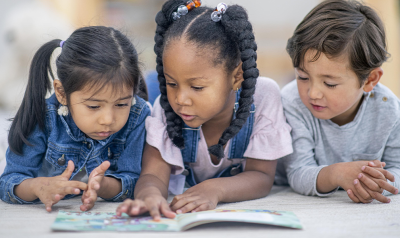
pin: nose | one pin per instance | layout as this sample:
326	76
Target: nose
106	118
182	98
314	92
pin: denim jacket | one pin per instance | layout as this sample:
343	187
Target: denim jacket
61	140
237	147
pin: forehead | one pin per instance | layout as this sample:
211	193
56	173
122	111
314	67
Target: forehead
326	65
103	92
188	58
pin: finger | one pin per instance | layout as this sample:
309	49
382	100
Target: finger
369	183
361	193
203	207
182	201
131	207
383	164
70	190
188	207
76	184
380	197
101	169
94	185
387	174
69	170
373	172
387	186
154	210
353	197
375	163
166	210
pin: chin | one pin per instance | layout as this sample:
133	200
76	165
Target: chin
192	124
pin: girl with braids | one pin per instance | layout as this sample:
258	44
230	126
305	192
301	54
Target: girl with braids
211	121
93	125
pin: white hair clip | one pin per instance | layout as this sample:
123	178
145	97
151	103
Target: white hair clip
216	15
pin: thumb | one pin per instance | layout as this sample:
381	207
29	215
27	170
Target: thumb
376	163
69	170
102	168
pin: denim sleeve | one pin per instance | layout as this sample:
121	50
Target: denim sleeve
130	161
301	166
22	167
391	156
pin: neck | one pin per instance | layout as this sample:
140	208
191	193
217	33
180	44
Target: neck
349	115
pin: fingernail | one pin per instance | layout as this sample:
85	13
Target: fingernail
396	192
348	192
179	211
355	181
193	211
372	163
388	200
362	168
360	176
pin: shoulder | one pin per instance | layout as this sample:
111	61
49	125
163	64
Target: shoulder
383	104
267	92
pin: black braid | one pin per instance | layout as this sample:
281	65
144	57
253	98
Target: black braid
232	37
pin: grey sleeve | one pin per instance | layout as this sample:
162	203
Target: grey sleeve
302	168
391	155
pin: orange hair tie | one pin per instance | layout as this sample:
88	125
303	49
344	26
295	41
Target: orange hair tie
184	9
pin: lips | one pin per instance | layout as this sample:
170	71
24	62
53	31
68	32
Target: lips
317	107
104	133
186	117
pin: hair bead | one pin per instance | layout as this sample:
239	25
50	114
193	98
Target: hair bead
184	9
216	15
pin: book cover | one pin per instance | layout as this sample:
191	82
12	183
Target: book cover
108	221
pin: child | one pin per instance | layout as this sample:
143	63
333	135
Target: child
200	127
93	124
346	125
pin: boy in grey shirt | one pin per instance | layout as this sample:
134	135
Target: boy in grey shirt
345	125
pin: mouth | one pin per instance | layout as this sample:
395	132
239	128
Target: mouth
186	117
317	107
104	133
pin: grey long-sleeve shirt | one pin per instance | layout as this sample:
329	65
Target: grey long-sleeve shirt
373	134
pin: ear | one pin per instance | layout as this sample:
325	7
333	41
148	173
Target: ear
59	91
373	79
237	77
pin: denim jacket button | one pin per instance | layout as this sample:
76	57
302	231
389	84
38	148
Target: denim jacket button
89	146
61	160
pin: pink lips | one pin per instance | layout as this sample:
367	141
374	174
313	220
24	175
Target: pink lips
187	117
317	107
104	133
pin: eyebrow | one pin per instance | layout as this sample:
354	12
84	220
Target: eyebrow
100	100
190	79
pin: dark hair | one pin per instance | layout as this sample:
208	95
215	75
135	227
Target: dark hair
232	40
335	27
91	56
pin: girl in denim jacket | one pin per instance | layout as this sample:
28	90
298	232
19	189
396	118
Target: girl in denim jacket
212	127
93	125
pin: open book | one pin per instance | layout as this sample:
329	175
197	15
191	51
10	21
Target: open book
108	221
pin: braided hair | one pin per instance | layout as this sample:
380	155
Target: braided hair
233	41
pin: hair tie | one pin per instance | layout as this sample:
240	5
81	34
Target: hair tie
216	15
184	9
62	43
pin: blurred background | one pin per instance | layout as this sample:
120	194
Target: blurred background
27	24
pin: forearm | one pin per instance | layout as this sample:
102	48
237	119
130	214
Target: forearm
327	178
26	189
149	185
109	187
244	186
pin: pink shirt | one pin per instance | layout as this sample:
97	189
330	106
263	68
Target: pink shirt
270	138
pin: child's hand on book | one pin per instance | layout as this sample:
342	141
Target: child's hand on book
50	190
155	205
89	196
201	197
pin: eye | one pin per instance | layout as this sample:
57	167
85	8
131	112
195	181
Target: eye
331	85
301	78
197	88
122	105
171	84
93	107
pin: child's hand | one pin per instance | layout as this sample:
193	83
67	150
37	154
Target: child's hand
152	204
50	190
374	180
197	198
89	196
